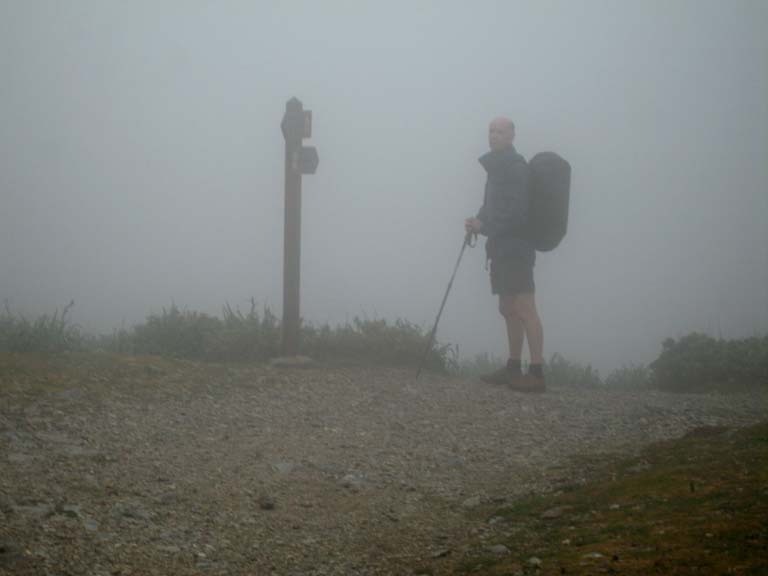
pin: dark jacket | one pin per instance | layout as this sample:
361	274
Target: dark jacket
504	213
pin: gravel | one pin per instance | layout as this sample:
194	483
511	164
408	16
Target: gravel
186	469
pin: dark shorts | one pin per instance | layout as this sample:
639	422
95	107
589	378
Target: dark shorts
509	276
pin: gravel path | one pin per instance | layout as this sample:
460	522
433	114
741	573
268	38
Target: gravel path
173	468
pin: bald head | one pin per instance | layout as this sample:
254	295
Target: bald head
501	133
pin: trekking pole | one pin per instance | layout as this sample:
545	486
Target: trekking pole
467	242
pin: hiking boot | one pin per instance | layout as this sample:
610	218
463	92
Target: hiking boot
506	375
529	383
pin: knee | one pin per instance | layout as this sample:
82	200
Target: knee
526	311
508	309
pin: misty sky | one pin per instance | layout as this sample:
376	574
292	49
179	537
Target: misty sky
141	161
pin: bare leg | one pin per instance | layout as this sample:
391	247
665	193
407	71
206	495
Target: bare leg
525	305
515	329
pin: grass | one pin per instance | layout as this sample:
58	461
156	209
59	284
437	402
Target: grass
49	333
697	505
233	337
695	363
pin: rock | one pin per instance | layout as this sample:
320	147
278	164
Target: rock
535	562
292	362
90	481
352	482
284	467
40	510
472	502
441	553
639	467
266	502
90	524
592	556
556	512
70	510
498	550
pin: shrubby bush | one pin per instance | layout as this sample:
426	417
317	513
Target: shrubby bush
238	337
194	335
698	362
376	342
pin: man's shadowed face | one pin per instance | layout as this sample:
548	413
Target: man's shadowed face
501	133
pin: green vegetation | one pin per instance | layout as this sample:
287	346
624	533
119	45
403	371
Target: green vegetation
634	376
558	370
562	372
694	363
46	334
175	333
376	342
235	337
698	362
695	505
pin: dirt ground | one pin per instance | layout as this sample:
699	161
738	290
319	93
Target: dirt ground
115	465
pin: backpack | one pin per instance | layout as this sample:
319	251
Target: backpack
550	195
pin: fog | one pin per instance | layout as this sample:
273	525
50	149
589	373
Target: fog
141	161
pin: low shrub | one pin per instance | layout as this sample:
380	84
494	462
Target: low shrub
375	342
699	363
238	337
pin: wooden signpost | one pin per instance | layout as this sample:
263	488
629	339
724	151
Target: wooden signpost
299	160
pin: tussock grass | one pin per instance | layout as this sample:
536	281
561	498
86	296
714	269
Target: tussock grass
49	333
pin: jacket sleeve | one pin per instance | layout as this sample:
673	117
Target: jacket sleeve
509	215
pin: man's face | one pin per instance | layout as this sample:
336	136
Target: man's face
500	134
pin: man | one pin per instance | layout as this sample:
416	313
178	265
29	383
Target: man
503	219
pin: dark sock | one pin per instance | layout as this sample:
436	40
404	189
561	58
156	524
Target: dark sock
536	370
513	366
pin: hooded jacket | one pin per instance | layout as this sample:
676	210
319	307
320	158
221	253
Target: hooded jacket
504	213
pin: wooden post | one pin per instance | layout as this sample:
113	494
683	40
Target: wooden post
293	131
